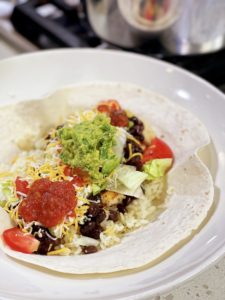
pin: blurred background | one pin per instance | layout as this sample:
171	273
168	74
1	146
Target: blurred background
188	33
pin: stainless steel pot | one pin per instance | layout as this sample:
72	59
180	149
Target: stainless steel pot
183	26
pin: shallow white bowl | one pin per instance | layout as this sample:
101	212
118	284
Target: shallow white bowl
34	75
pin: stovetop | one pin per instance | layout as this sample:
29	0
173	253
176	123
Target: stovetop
58	23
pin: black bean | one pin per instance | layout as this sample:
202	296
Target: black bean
95	234
121	208
87	227
134	147
101	216
96	198
136	121
140	138
137	129
128	200
47	241
136	162
113	215
93	210
89	249
91	229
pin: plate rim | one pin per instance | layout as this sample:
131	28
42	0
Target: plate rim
114	52
221	250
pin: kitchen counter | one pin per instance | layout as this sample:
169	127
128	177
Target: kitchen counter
209	285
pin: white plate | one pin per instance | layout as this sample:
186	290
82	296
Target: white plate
32	76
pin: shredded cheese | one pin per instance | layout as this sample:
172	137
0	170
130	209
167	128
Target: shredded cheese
130	137
45	162
131	154
54	173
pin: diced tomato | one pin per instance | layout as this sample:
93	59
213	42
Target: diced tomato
80	177
21	186
157	149
81	173
117	115
119	118
103	108
48	202
108	106
17	240
68	171
114	105
78	181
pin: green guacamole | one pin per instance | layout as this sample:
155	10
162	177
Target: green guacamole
89	146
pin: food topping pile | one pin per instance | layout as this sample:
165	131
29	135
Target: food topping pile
86	184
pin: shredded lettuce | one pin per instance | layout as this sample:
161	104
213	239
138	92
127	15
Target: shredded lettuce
129	177
116	186
96	189
157	168
126	180
7	192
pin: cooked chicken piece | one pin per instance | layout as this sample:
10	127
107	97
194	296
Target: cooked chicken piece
111	198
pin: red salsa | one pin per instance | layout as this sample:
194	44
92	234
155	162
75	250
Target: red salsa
48	202
117	115
21	186
80	177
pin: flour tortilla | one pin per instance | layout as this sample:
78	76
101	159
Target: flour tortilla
186	207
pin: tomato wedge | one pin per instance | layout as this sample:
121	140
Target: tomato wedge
21	186
17	240
157	149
